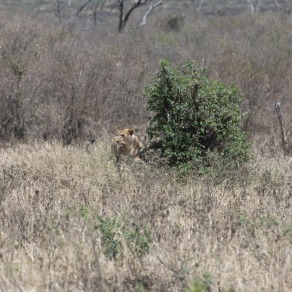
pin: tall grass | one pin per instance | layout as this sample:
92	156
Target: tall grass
236	230
64	212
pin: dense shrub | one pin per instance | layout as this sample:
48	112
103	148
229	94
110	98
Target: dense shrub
196	120
56	83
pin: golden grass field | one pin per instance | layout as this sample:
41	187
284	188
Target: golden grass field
209	234
72	220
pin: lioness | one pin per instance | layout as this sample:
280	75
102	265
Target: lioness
127	144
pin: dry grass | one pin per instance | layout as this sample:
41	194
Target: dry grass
233	234
62	210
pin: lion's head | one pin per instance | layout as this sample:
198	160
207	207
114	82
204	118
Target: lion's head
124	137
126	143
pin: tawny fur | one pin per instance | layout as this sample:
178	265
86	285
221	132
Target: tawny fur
127	144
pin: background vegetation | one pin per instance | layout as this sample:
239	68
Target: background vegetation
69	221
196	121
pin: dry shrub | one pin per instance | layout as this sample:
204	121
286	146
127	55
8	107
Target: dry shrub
68	82
255	55
64	86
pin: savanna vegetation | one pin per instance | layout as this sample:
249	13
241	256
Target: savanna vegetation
71	220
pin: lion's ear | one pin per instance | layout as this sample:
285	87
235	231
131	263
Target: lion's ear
131	131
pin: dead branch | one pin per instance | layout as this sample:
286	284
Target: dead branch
168	267
259	4
58	9
74	12
97	4
125	17
88	143
253	9
251	5
151	8
285	144
82	7
200	4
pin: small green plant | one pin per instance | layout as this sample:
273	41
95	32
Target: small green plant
109	241
140	288
196	121
17	67
84	212
202	284
120	229
265	221
288	232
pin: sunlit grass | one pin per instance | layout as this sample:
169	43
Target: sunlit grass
236	230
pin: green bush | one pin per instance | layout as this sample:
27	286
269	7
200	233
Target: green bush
196	121
118	232
202	284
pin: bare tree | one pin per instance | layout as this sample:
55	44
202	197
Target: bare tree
259	3
98	6
254	5
58	9
250	2
82	7
124	16
200	4
73	11
151	8
122	8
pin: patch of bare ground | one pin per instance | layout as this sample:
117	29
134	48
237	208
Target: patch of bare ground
70	222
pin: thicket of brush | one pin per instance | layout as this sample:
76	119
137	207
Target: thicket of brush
70	221
64	82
